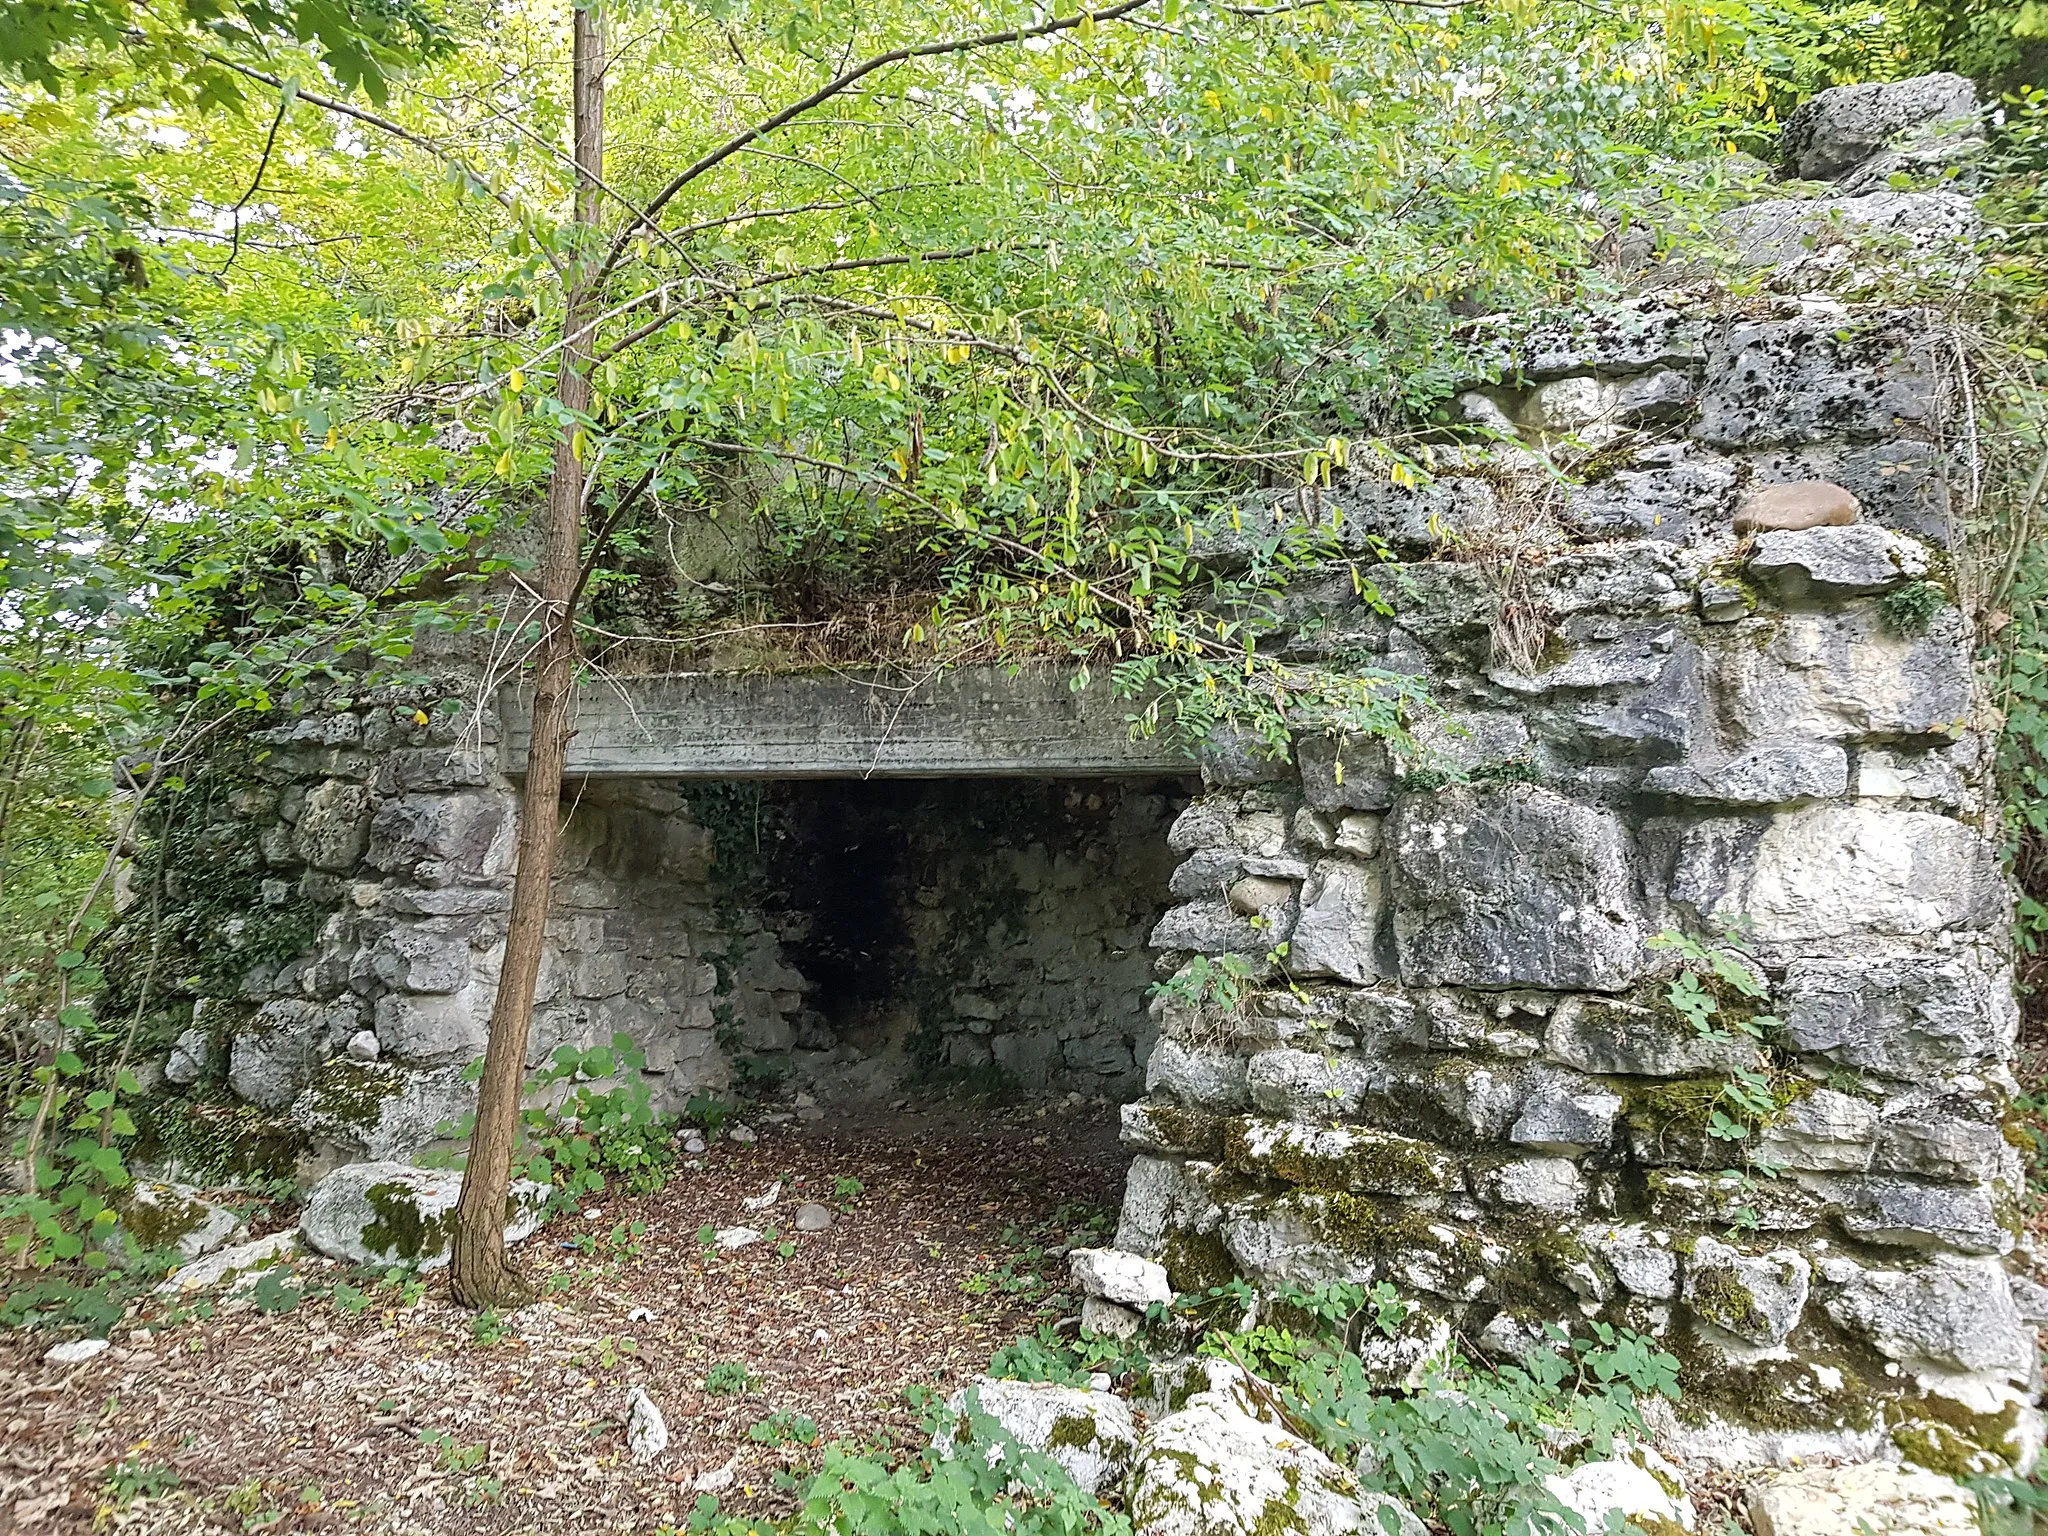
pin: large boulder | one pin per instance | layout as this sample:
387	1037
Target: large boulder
1513	886
1837	130
1214	1470
392	1213
1090	1434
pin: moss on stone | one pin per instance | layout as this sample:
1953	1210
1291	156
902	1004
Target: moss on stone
1074	1432
1195	1261
400	1231
158	1222
1719	1296
1194	1132
1945	1436
350	1095
1372	1162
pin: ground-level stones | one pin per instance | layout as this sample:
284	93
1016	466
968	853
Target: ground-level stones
1860	1498
1090	1434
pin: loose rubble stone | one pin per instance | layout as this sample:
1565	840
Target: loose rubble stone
1126	1278
74	1351
1212	1470
1859	1499
1513	887
1909	1214
391	1213
1090	1434
1108	1319
646	1429
236	1263
1595	1489
812	1217
730	1238
1756	1297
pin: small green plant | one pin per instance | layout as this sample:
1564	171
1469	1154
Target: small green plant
488	1327
846	1189
450	1454
1722	996
784	1428
130	1479
597	1132
347	1299
728	1378
1910	610
1206	982
708	1112
274	1292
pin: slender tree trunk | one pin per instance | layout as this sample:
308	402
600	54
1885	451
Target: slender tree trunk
480	1275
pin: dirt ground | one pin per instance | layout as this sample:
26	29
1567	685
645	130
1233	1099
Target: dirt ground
412	1416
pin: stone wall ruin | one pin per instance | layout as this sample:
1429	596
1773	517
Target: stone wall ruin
1464	1075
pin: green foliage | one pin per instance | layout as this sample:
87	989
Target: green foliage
131	1478
1047	1356
1207	982
1721	994
67	1216
783	1427
604	1126
727	1378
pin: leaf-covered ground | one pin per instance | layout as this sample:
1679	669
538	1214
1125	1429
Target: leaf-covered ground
412	1416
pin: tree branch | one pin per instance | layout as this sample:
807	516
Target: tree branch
844	82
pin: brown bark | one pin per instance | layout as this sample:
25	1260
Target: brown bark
480	1275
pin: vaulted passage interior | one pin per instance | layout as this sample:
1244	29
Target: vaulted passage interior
853	936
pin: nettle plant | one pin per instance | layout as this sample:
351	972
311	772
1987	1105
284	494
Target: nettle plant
1723	996
603	1127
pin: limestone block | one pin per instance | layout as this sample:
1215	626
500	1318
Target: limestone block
191	1058
1358	834
1128	1279
1207	1078
1779	230
1602	1035
1308	1087
1212	927
1642	1265
1837	562
1564	405
1899	1212
1815	377
1842	871
1620	338
1838	129
1902	484
333	829
1839	676
1206	872
470	832
1213	1470
376	1110
1160	1197
1337	932
1860	1498
1513	886
1935	1146
601	975
431	1030
1598	654
1755	1297
1354	774
1090	1434
1168	1130
1671	501
1353	1158
1482	1099
272	1056
419	959
1534	1183
1904	1014
1773	774
392	1213
1951	1314
1566	1115
1825	1132
1258	895
160	1217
